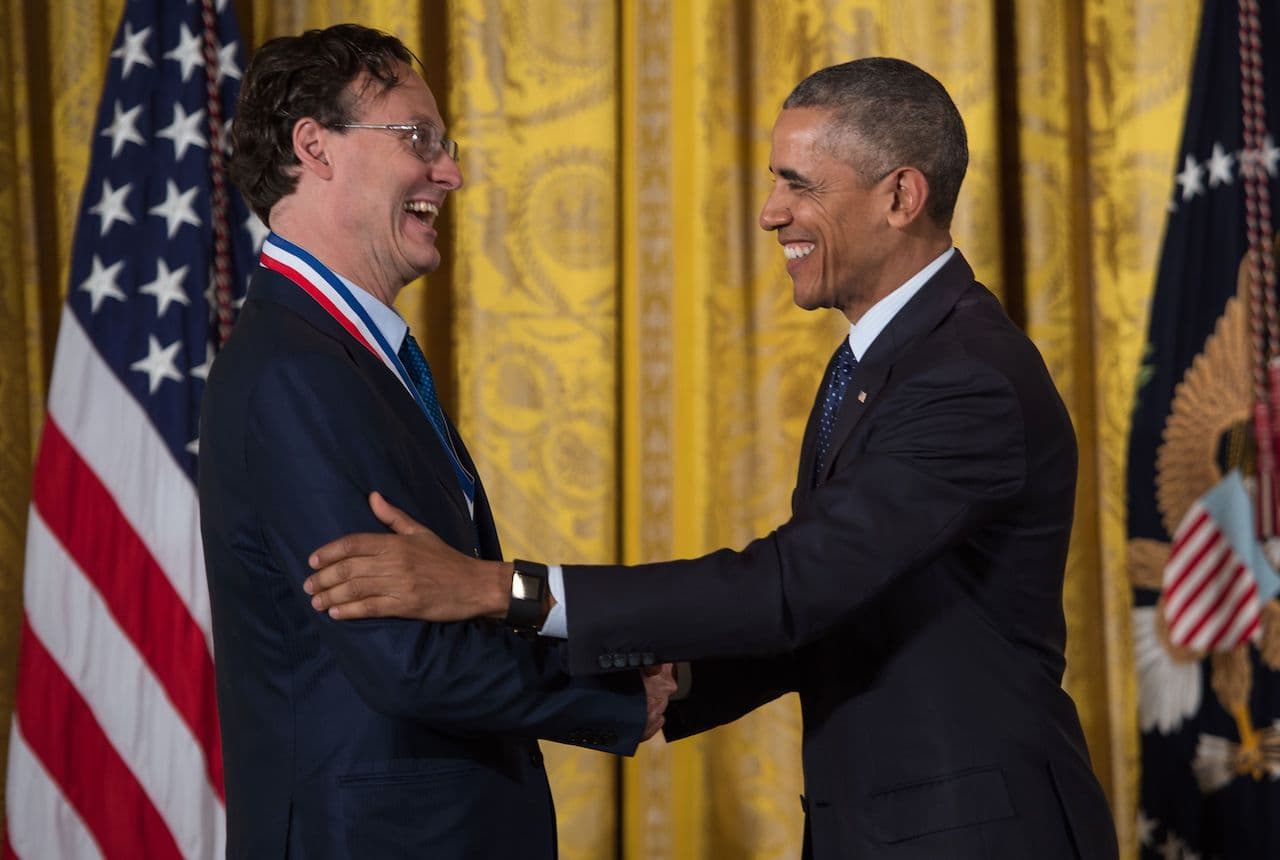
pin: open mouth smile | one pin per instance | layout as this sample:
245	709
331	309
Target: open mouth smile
798	250
424	210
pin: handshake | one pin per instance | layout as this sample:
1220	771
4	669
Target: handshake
660	684
409	572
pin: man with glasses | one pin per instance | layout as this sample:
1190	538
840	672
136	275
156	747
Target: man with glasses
392	738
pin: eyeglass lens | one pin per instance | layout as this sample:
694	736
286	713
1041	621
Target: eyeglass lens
428	143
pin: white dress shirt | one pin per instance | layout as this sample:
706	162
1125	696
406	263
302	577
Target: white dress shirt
385	318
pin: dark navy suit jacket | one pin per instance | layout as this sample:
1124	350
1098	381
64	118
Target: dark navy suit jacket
378	738
914	600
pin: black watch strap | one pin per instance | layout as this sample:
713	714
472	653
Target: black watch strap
527	607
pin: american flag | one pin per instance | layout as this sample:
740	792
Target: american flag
1217	576
114	747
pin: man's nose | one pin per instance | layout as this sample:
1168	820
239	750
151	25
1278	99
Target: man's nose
446	172
773	215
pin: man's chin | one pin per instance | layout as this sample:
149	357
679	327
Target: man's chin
425	263
806	301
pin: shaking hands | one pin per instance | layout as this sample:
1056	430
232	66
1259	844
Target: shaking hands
411	573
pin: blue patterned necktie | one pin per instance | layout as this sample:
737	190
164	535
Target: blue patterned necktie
416	363
842	366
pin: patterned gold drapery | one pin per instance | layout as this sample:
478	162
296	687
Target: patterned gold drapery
616	336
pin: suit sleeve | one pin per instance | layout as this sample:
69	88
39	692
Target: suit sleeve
946	449
314	451
724	690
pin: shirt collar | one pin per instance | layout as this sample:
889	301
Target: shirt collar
390	324
868	328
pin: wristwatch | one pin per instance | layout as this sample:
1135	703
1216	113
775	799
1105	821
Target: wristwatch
527	608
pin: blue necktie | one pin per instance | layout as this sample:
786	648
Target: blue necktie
842	366
416	363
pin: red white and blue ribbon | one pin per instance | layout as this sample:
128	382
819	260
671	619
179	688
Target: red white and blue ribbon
327	289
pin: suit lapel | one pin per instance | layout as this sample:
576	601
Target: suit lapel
917	318
486	528
269	286
868	379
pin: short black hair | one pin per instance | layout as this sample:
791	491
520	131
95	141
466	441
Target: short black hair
888	113
292	77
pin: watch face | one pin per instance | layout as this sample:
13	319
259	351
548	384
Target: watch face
526	587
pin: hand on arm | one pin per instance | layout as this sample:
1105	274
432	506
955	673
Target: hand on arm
409	573
309	485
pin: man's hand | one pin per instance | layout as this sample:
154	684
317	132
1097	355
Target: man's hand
659	685
409	573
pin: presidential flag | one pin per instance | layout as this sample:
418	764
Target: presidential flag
114	747
1206	624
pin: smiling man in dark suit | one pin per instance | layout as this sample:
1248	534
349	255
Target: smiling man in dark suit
914	597
387	738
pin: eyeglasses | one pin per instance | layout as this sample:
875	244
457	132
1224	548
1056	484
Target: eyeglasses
424	140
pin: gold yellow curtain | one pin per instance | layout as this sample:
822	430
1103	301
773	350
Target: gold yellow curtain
616	336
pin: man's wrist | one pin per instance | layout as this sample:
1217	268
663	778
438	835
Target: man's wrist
499	592
529	596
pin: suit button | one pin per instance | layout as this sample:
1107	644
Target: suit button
619	661
605	661
647	659
633	660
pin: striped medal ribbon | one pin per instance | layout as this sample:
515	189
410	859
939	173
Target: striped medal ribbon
327	289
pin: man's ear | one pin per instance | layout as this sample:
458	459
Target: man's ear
309	141
910	194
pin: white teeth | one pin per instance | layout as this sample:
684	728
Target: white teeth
795	252
422	207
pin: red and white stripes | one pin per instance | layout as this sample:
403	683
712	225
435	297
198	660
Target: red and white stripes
1210	595
114	745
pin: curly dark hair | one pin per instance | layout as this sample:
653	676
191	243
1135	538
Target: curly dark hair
292	77
889	113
